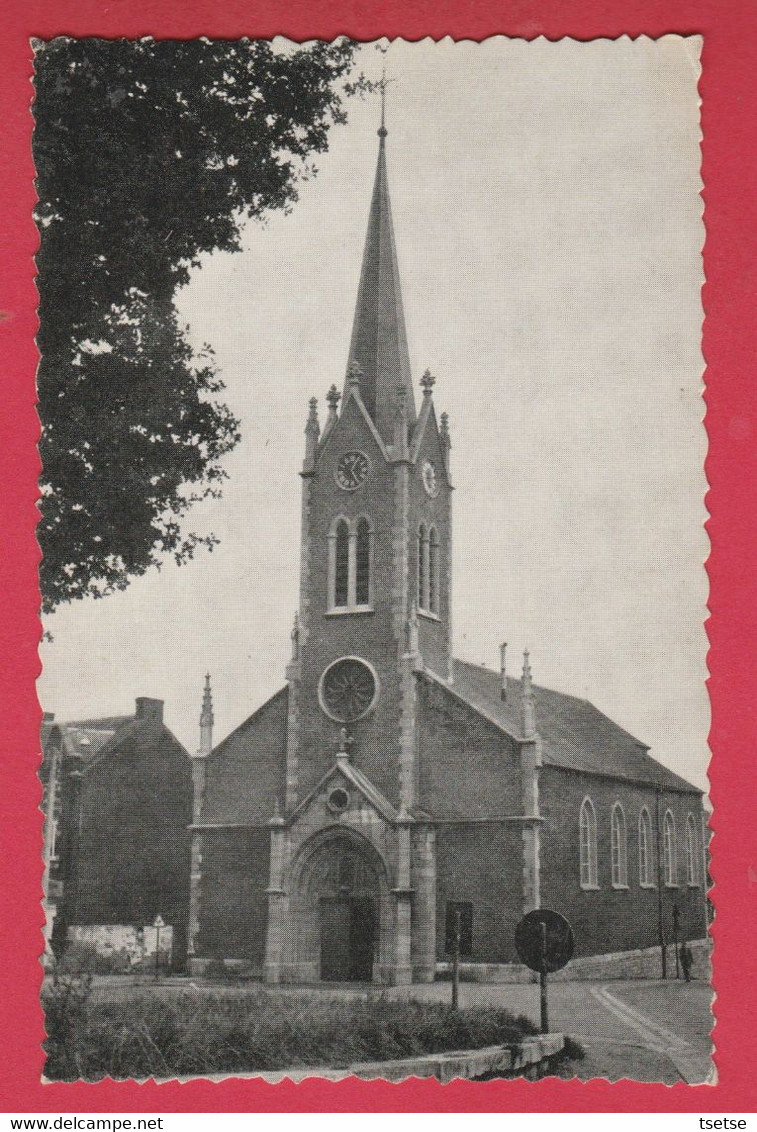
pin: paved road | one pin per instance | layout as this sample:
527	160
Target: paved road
645	1031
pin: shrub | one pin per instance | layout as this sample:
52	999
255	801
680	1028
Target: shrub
191	1033
85	958
66	1003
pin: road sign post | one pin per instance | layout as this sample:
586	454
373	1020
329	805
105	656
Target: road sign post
456	963
544	942
157	923
543	981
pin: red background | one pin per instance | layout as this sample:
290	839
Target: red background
729	119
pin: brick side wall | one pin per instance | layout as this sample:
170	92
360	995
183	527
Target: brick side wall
612	920
233	904
483	864
245	773
132	860
467	767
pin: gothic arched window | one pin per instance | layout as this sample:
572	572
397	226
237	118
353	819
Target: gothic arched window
422	567
645	849
342	565
618	847
363	562
587	845
350	583
433	571
669	860
692	855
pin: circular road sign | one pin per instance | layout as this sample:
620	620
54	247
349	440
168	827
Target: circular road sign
544	940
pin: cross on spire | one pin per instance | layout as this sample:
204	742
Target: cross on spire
382	84
382	132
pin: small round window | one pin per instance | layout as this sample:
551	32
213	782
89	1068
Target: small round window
339	800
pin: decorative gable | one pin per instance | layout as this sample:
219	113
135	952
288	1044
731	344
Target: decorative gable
345	795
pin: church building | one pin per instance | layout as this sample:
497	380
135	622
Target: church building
389	791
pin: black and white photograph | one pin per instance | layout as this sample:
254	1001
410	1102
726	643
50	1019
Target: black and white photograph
372	532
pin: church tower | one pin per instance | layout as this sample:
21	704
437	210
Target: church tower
375	572
374	589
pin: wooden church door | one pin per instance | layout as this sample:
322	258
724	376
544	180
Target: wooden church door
335	939
347	939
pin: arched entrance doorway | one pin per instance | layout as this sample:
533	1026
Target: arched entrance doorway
340	904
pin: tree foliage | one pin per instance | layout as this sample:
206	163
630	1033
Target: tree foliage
149	154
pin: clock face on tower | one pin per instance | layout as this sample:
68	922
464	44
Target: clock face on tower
430	480
352	470
348	689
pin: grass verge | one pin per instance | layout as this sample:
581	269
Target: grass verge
199	1032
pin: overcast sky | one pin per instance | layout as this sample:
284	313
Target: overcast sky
549	231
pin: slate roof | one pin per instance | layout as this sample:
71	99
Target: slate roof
575	734
245	770
87	738
91	738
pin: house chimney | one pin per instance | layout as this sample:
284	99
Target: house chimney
48	716
148	708
503	670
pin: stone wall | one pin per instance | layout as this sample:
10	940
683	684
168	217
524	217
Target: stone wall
135	945
640	964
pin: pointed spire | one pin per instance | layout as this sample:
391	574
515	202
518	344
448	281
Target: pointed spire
206	719
379	340
428	381
312	433
333	397
528	704
445	440
206	716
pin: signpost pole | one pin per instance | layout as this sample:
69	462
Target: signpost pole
660	881
543	980
675	938
158	923
456	963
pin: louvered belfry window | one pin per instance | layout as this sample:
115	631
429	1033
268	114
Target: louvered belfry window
342	572
350	568
363	563
422	567
433	571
